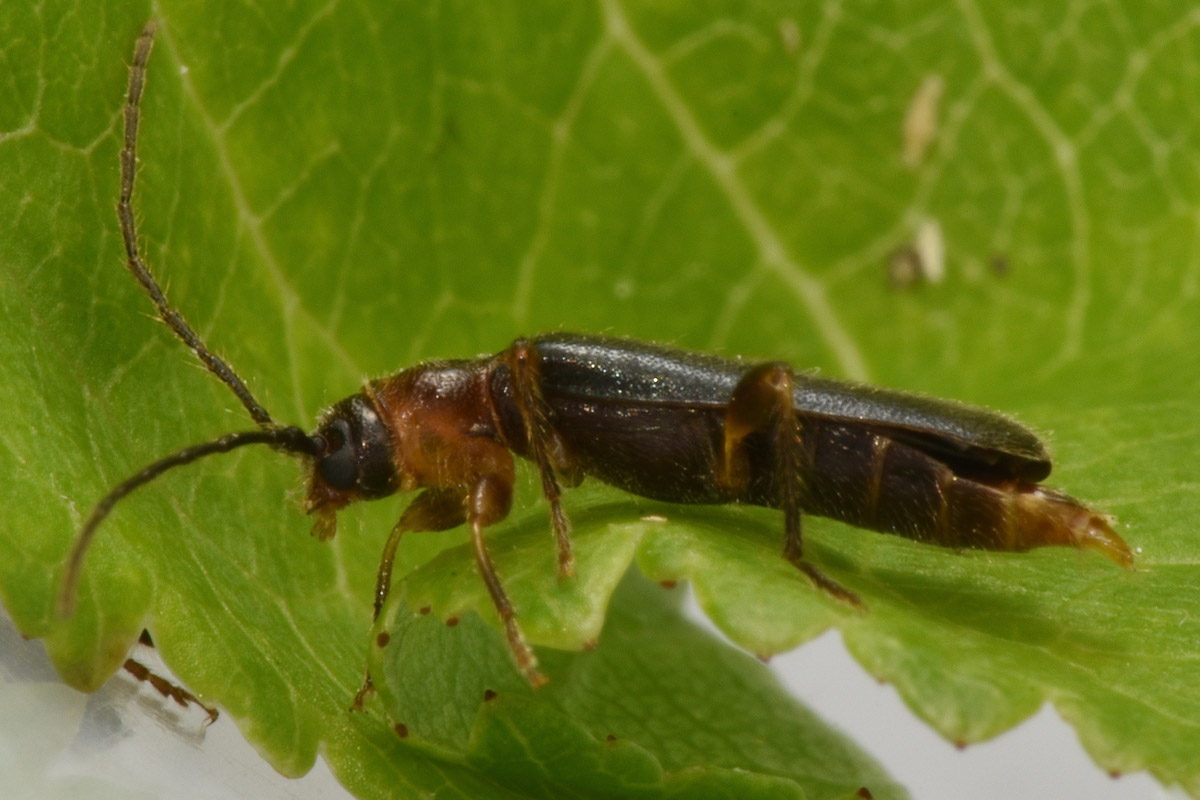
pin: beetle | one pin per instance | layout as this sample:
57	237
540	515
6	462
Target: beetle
655	421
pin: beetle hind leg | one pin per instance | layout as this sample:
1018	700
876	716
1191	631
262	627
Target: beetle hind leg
763	401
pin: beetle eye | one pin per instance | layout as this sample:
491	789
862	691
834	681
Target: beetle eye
337	468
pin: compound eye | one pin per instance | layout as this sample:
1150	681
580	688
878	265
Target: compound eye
337	467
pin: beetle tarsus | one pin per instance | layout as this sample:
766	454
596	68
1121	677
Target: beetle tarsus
365	692
828	585
167	689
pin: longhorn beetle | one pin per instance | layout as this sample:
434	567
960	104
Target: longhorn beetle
662	423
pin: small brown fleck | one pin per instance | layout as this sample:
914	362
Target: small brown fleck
610	738
383	638
488	694
668	584
864	793
450	623
1114	773
401	730
960	744
423	611
903	267
590	644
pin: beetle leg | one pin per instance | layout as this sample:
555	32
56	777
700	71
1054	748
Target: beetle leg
546	447
763	401
489	502
167	689
432	510
163	686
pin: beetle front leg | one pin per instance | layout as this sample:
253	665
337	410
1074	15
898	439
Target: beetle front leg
432	510
167	689
763	401
163	686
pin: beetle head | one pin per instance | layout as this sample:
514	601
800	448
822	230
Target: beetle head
353	460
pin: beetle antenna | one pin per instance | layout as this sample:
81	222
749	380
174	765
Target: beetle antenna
133	258
290	439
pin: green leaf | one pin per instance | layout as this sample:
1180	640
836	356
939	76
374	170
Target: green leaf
334	192
604	726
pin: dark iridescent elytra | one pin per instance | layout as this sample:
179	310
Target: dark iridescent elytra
649	419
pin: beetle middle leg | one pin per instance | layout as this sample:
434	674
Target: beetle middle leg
489	502
763	400
546	447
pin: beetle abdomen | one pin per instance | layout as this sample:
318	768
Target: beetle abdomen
866	478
